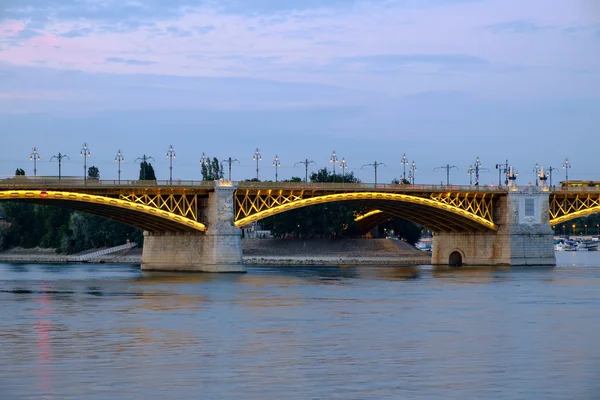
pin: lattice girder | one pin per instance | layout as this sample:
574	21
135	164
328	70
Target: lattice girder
474	209
185	205
567	206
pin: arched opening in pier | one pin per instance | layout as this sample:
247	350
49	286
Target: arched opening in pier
455	259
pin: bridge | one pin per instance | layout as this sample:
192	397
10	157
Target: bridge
194	225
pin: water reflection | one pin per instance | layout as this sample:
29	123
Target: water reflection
295	333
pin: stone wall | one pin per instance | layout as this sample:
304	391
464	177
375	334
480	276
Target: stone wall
219	249
193	252
524	235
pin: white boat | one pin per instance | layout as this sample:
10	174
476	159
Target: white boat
587	246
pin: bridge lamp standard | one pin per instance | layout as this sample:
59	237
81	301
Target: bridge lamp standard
306	163
119	159
404	163
144	165
550	169
229	161
59	157
411	172
204	160
374	165
502	168
536	169
171	155
257	157
471	172
448	167
85	153
566	167
35	157
343	166
478	167
276	164
333	159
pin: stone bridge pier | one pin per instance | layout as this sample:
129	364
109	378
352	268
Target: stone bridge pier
219	249
524	235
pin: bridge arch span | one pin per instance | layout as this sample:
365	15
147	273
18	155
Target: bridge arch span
574	215
432	214
135	214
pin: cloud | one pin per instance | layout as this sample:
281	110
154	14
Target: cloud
178	32
75	33
517	26
129	61
595	28
391	62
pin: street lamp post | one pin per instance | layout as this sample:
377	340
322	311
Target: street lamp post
230	161
550	169
171	155
204	160
306	163
257	157
471	172
536	169
478	167
448	167
276	164
502	168
35	156
333	159
59	157
374	165
566	167
119	159
144	159
85	153
343	166
404	163
411	172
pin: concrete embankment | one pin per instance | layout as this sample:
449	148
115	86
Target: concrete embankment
266	252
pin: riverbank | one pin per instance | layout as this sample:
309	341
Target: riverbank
264	252
332	252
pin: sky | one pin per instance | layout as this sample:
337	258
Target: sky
442	81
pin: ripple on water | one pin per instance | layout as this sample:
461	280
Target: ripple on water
76	331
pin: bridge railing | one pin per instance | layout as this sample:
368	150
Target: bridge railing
47	183
25	182
576	189
367	186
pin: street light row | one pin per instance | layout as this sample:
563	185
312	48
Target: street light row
511	174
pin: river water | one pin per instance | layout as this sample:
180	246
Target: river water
99	331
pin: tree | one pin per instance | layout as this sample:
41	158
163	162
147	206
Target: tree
20	172
93	173
147	171
212	171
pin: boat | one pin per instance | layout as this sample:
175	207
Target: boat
587	245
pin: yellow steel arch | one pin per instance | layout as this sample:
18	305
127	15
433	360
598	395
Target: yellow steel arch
367	215
99	200
574	215
354	196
